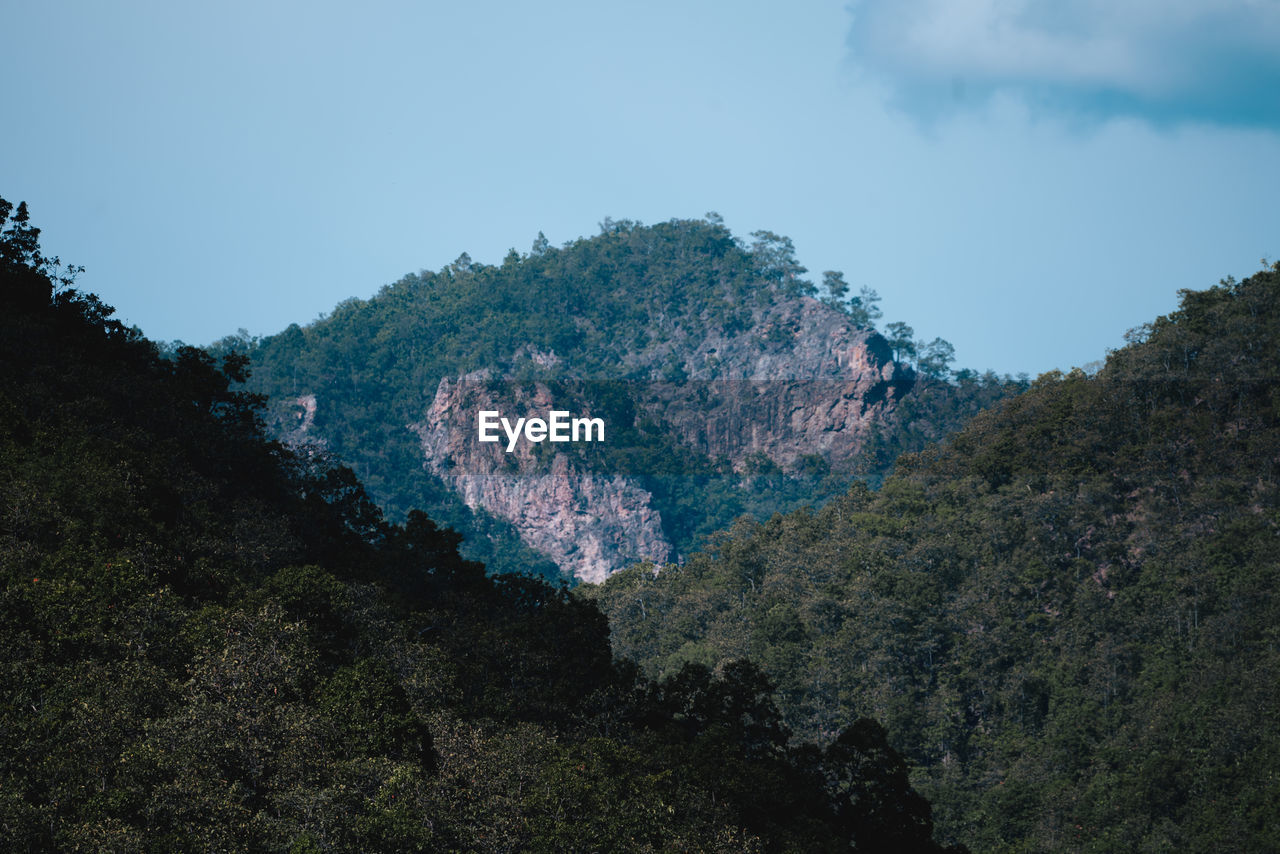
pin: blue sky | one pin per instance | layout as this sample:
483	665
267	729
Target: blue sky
1027	179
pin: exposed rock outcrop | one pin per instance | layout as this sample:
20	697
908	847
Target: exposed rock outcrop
802	381
293	419
589	523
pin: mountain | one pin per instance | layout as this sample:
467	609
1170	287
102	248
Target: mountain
214	643
724	386
1065	613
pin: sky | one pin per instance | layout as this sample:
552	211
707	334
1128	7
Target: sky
1027	179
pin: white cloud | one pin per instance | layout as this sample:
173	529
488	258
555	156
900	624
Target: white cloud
1211	59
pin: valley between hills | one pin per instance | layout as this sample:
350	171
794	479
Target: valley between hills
818	589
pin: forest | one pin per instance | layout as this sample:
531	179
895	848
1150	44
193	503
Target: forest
1065	614
1053	629
621	310
214	643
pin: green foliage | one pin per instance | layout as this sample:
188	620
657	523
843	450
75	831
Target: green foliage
374	715
775	258
624	307
901	339
935	358
215	644
874	799
836	287
1064	615
863	308
604	304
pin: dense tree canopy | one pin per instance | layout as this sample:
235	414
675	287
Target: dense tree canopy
214	644
1065	615
624	307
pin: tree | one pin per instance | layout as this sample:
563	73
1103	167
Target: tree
901	338
20	242
32	276
873	798
776	259
836	287
935	357
863	310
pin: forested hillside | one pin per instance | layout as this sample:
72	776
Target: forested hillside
214	644
649	325
1066	614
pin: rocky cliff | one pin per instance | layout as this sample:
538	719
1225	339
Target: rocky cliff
802	381
727	387
589	523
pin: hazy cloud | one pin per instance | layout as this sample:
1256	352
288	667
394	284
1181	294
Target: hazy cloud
1164	60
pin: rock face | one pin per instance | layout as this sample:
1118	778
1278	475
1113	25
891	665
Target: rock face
293	419
802	381
726	390
805	381
589	523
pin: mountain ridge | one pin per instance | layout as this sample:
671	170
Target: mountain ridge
213	642
1065	613
662	328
